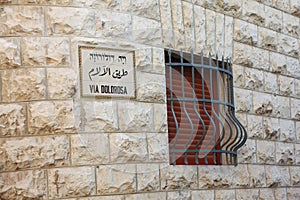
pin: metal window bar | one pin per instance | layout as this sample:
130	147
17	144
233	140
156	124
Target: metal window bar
203	128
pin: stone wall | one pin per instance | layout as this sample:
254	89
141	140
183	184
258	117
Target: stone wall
55	144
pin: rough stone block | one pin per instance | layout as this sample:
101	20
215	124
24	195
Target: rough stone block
253	79
12	120
21	21
242	54
288	45
245	32
291	25
295	175
211	31
278	63
285	154
40	51
298	131
71	182
150	60
188	16
247	153
292	67
293	193
177	24
238	76
9	53
257	176
273	19
295	108
178	178
271	83
70	21
286	85
180	195
166	21
247	194
288	132
295	7
158	147
224	194
23	185
146	8
267	39
87	149
128	147
283	107
150	196
271	128
255	127
148	177
280	193
265	152
229	23
254	12
150	87
282	5
220	30
135	117
160	118
297	153
23	85
116	179
260	58
200	28
205	194
263	104
100	116
32	152
277	176
50	117
266	193
243	100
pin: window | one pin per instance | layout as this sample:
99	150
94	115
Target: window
202	126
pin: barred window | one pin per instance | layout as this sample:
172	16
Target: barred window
202	126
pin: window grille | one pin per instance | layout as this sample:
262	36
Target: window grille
202	126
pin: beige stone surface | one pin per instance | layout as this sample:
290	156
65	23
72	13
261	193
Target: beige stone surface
271	83
116	179
23	85
49	117
267	39
247	153
254	12
239	76
291	25
292	67
273	19
10	53
166	20
278	63
211	32
295	175
205	194
12	119
242	54
293	193
228	36
288	45
266	152
146	8
180	195
21	21
280	193
260	58
200	28
158	147
179	177
283	107
150	196
287	130
245	32
282	5
125	147
264	104
33	152
254	79
266	193
87	149
177	24
271	128
230	7
295	108
30	184
71	182
295	7
257	176
277	176
243	100
187	12
160	118
224	194
297	153
247	194
148	177
285	154
286	85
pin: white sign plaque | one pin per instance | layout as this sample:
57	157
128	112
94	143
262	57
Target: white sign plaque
107	72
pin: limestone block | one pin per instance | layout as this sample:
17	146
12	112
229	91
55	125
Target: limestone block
283	106
271	83
273	19
204	194
116	179
286	85
135	117
266	2
254	12
180	195
188	16
103	5
277	176
31	152
297	153
21	21
267	39
71	182
285	154
293	193
271	128
148	177
111	197
266	193
295	7
12	119
70	21
166	22
150	196
23	185
243	100
177	24
150	87
280	193
87	149
160	118
245	32
247	194
295	175
158	60
242	54
278	63
128	147
9	53
260	58
298	131
255	127
230	7
282	5
292	67
291	25
229	23
50	117
23	85
211	31
257	176
178	177
158	147
247	153
253	79
113	25
100	116
238	76
146	8
242	117
295	109
265	152
288	45
40	51
223	177
224	194
150	60
288	132
200	28
220	33
263	104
